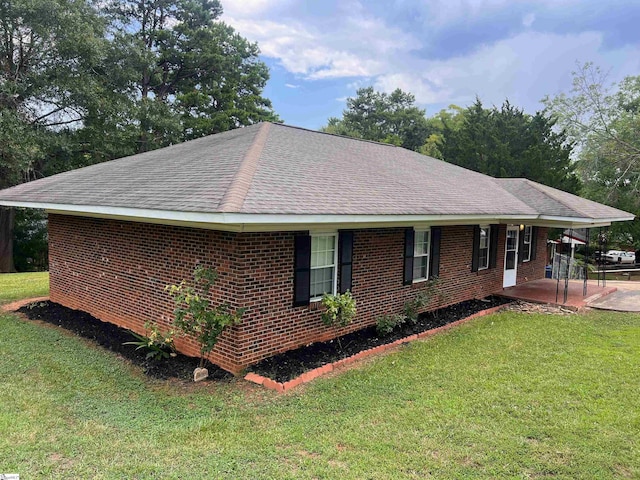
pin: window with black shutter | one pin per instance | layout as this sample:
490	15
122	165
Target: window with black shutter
302	270
345	260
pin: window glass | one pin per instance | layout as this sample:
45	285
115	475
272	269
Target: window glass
512	246
483	250
526	252
323	267
421	255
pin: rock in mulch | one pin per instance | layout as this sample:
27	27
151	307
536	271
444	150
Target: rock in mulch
528	307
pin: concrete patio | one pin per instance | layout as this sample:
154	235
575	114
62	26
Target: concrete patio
544	291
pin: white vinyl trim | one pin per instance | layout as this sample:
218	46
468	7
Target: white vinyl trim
241	222
334	283
427	254
488	229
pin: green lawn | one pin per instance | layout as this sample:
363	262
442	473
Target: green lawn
613	276
505	396
14	286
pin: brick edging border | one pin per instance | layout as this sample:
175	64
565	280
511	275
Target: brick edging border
306	377
13	306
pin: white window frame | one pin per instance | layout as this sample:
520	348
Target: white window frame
428	254
334	284
488	229
527	243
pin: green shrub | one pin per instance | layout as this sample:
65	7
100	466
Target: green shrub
385	324
195	315
423	298
159	344
339	309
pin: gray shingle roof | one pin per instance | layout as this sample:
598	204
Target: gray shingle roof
550	201
277	169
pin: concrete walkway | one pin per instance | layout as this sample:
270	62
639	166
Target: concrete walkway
625	299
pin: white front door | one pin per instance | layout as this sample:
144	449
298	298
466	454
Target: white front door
511	257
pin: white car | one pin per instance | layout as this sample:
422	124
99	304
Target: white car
618	256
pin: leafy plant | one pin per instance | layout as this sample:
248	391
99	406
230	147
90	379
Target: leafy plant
159	344
195	314
385	324
339	310
423	298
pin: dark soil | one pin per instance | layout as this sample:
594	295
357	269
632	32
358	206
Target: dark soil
281	368
112	338
289	365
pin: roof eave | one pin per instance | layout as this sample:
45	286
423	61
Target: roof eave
260	222
581	222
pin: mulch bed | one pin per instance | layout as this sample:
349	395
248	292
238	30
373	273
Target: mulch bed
289	365
112	338
281	368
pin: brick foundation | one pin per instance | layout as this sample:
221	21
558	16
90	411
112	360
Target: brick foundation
117	271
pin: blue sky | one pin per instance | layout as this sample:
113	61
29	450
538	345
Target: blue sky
443	51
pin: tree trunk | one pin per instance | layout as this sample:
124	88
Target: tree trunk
6	239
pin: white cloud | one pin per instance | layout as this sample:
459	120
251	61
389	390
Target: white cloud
528	19
353	44
290	85
523	69
241	8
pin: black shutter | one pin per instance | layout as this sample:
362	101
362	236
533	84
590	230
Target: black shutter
345	259
493	246
434	261
534	242
302	271
521	245
409	238
475	249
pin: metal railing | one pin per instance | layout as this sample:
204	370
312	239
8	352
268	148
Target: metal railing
565	267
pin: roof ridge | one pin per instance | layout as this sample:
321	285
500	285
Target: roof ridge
375	142
236	193
555	197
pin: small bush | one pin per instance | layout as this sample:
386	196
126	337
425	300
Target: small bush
422	299
159	344
196	315
385	324
340	309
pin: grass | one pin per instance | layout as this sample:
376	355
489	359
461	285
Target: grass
505	396
615	276
14	286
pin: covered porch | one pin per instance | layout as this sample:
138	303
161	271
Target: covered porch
552	291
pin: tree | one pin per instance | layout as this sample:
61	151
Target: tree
452	118
83	82
48	49
603	119
390	118
507	142
186	73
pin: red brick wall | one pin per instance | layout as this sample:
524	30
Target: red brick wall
117	271
272	324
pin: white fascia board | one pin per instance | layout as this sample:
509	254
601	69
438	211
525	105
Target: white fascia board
272	222
585	221
257	222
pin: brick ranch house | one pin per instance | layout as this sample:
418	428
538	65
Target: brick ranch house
285	214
